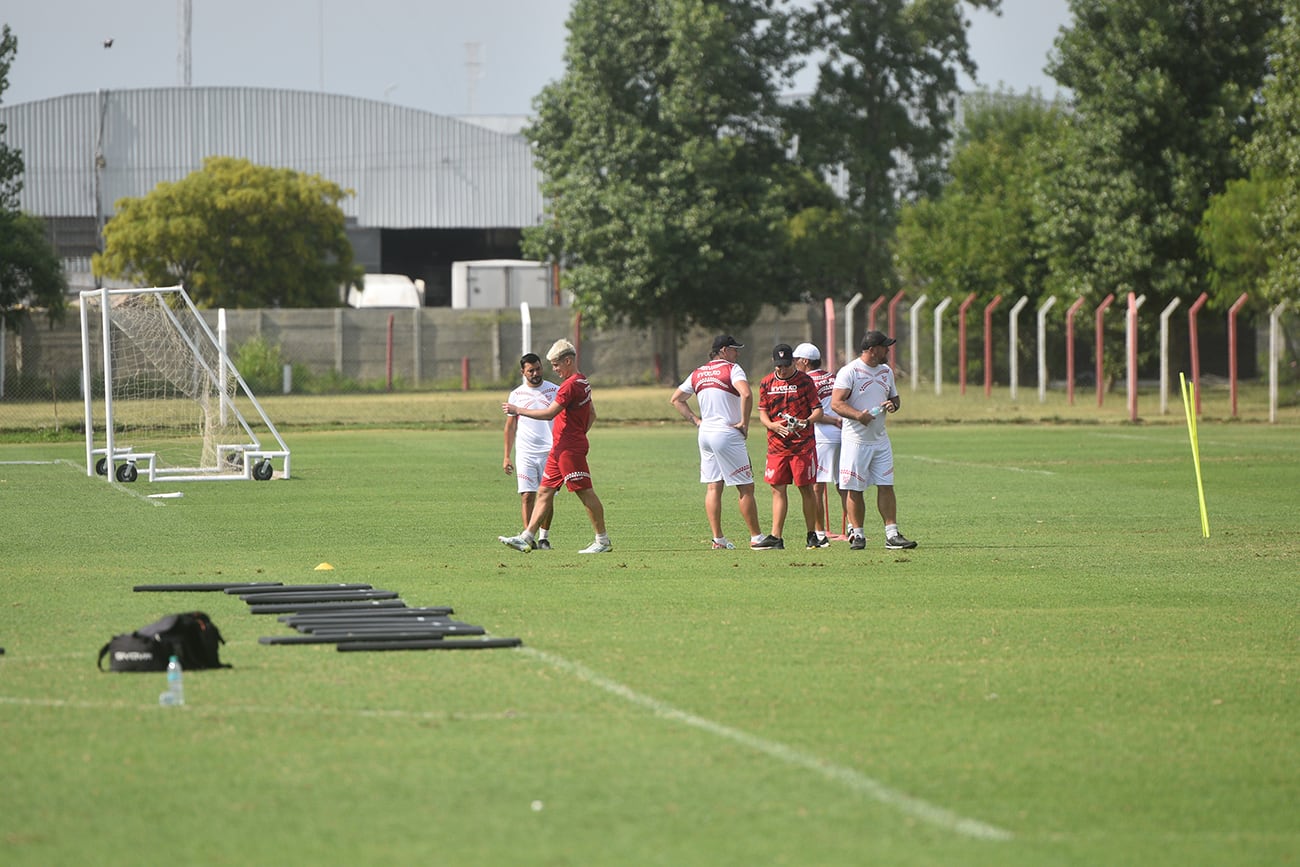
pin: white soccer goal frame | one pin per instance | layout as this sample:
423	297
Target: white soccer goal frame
246	460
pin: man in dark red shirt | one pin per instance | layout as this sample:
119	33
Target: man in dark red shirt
788	406
574	414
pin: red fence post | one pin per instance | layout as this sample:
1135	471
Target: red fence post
1101	316
1069	349
893	328
1194	343
988	344
1232	349
871	312
961	338
464	373
829	361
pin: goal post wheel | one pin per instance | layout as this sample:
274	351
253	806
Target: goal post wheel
262	470
101	467
127	473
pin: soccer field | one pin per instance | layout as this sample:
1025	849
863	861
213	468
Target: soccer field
1064	672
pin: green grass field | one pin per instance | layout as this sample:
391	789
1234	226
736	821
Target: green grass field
1063	673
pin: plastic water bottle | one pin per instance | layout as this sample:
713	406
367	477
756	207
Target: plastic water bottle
876	411
175	694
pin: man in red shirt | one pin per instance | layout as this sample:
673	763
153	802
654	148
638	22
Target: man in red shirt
788	406
574	414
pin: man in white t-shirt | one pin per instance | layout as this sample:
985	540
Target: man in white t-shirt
530	440
807	358
864	393
726	403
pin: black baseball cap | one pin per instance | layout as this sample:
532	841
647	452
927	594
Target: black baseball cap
876	338
783	354
722	341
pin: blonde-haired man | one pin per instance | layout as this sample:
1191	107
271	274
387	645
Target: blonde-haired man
574	414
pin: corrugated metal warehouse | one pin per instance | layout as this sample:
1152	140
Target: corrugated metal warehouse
429	189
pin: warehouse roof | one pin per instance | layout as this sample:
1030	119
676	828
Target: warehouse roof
408	168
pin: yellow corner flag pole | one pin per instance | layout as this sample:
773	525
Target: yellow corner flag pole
1189	402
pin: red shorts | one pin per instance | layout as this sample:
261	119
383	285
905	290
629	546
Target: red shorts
787	469
568	469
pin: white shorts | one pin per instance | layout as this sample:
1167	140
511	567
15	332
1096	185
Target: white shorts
724	457
864	465
828	462
528	470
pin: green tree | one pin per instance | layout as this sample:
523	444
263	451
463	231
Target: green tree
1233	238
668	189
236	235
30	274
978	234
1164	92
1274	155
883	108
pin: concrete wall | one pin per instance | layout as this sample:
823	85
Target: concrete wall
428	345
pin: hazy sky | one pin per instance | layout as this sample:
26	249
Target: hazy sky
417	53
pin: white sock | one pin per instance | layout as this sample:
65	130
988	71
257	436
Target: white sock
755	538
602	538
821	537
855	531
527	536
542	534
891	530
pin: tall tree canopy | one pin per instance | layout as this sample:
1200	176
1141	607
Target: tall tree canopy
1274	156
236	235
30	274
978	234
883	107
682	192
1164	92
666	182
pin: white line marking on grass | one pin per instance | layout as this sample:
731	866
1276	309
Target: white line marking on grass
926	460
855	780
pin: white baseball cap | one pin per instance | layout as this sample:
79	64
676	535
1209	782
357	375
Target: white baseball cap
808	351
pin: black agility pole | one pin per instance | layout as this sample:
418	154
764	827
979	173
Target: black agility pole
445	644
219	586
296	588
318	596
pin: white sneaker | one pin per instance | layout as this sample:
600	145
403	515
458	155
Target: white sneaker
519	543
597	548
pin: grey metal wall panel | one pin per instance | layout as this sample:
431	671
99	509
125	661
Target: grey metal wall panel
407	168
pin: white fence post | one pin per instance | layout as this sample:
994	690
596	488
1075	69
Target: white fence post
913	313
1042	347
1274	352
938	344
1014	355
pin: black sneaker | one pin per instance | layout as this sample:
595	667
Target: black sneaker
857	543
815	541
543	544
767	543
898	543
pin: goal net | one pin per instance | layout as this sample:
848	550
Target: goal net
162	398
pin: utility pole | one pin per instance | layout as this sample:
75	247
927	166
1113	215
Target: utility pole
472	68
185	22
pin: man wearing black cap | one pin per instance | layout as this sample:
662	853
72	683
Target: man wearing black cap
863	395
726	403
788	407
